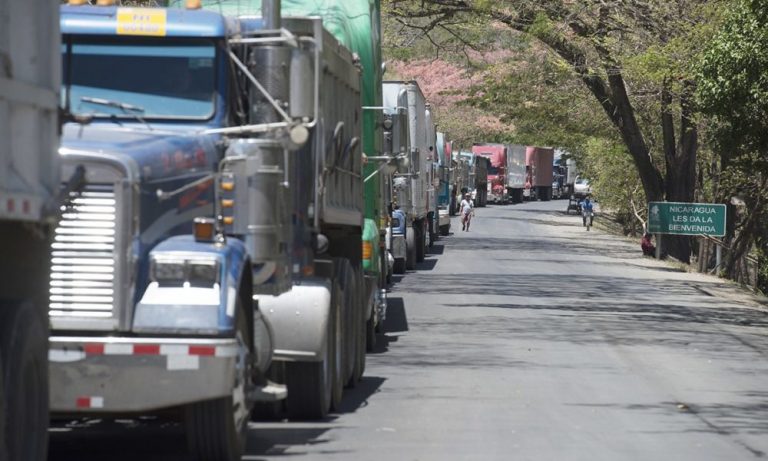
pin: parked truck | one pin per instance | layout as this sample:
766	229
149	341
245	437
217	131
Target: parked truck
515	172
218	238
481	179
406	131
444	183
357	26
30	69
497	170
538	164
432	180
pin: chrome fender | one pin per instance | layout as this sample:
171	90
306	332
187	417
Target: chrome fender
299	319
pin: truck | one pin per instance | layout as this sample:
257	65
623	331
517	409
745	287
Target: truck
212	260
444	158
356	24
497	170
515	172
30	69
432	179
406	130
538	167
571	173
481	180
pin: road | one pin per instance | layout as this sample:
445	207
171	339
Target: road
527	338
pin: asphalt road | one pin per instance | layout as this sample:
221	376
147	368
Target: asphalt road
527	338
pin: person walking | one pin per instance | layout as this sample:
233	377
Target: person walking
467	211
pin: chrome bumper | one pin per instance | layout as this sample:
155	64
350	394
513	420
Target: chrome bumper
93	375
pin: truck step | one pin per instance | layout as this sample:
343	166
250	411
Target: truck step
270	392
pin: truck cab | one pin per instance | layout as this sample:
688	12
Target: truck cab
152	277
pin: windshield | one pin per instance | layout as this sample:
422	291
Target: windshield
582	181
146	78
493	169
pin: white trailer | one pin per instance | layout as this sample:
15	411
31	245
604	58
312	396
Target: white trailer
29	177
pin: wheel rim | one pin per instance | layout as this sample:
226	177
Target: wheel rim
239	399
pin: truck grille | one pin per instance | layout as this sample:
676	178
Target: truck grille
84	258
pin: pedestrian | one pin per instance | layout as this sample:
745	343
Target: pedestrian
467	211
649	249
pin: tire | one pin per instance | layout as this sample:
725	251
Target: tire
24	347
3	449
216	429
310	384
445	230
421	243
338	357
410	248
370	332
398	268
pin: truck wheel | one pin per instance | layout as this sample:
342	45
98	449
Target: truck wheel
370	326
310	384
3	450
216	429
421	244
362	342
24	347
398	267
339	357
410	248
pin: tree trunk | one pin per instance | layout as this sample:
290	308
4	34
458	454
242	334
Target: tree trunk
680	159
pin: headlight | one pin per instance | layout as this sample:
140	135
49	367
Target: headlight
184	270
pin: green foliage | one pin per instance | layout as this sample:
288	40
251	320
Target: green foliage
614	181
732	77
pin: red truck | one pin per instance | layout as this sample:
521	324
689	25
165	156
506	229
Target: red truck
538	171
497	170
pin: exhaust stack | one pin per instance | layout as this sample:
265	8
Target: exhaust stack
270	11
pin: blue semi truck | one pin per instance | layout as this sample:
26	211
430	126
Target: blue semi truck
222	163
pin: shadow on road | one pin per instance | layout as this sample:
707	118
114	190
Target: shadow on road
397	320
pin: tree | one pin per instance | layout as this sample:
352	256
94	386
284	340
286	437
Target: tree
733	90
597	39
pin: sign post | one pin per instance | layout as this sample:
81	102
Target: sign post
680	218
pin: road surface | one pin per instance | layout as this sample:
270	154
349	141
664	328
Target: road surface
527	338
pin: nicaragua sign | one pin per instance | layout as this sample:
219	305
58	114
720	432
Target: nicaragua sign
680	218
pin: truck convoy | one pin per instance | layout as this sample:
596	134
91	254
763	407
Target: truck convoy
220	225
497	171
407	137
30	70
538	164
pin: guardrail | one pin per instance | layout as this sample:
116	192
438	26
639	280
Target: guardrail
747	265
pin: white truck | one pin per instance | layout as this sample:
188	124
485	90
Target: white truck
412	181
30	71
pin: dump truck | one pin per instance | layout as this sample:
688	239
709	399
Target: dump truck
515	172
407	133
30	70
217	241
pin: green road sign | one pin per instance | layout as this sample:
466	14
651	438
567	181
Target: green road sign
682	218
